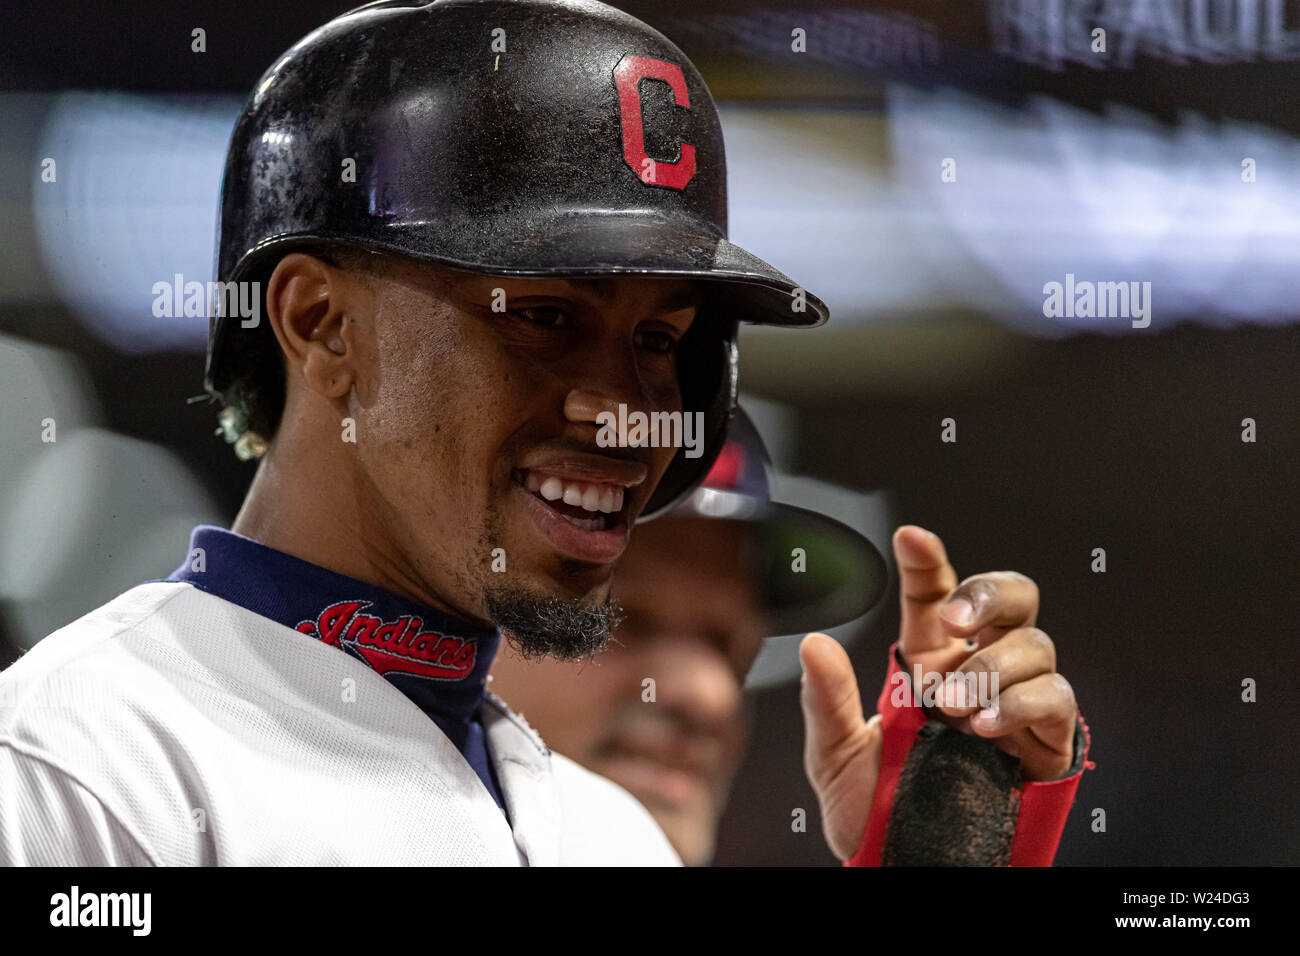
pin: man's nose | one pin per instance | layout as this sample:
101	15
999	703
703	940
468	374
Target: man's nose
609	390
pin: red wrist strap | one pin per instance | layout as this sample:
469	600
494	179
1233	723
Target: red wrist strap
1043	805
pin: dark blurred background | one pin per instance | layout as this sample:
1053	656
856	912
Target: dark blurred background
1169	158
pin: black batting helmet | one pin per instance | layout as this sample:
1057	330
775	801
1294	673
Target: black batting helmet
507	137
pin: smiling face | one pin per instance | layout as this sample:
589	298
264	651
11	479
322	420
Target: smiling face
475	482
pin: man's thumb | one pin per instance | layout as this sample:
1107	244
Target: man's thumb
832	707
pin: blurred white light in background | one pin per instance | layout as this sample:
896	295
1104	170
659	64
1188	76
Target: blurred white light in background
135	203
849	203
40	384
806	195
1052	190
89	516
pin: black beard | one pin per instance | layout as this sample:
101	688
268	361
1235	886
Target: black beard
538	626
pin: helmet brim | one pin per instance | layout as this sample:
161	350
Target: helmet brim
842	575
585	243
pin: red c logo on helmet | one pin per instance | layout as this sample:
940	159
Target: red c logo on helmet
629	73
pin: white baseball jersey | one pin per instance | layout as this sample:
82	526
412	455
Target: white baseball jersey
172	727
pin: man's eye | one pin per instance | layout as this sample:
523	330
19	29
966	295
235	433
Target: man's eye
547	316
659	342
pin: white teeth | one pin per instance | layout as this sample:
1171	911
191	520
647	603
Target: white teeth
595	498
551	489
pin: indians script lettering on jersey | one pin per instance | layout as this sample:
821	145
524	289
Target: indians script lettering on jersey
397	645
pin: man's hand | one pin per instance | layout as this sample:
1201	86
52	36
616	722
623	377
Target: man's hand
982	625
841	751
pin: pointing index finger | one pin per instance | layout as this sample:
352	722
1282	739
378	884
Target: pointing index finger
925	579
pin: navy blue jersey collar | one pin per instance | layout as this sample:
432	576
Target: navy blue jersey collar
439	663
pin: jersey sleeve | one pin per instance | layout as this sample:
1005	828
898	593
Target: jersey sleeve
945	798
47	818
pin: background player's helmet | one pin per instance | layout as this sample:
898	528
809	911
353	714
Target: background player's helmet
511	137
843	575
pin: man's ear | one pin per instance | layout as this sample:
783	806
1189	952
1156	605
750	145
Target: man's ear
306	301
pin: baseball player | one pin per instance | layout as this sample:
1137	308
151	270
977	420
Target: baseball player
475	230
